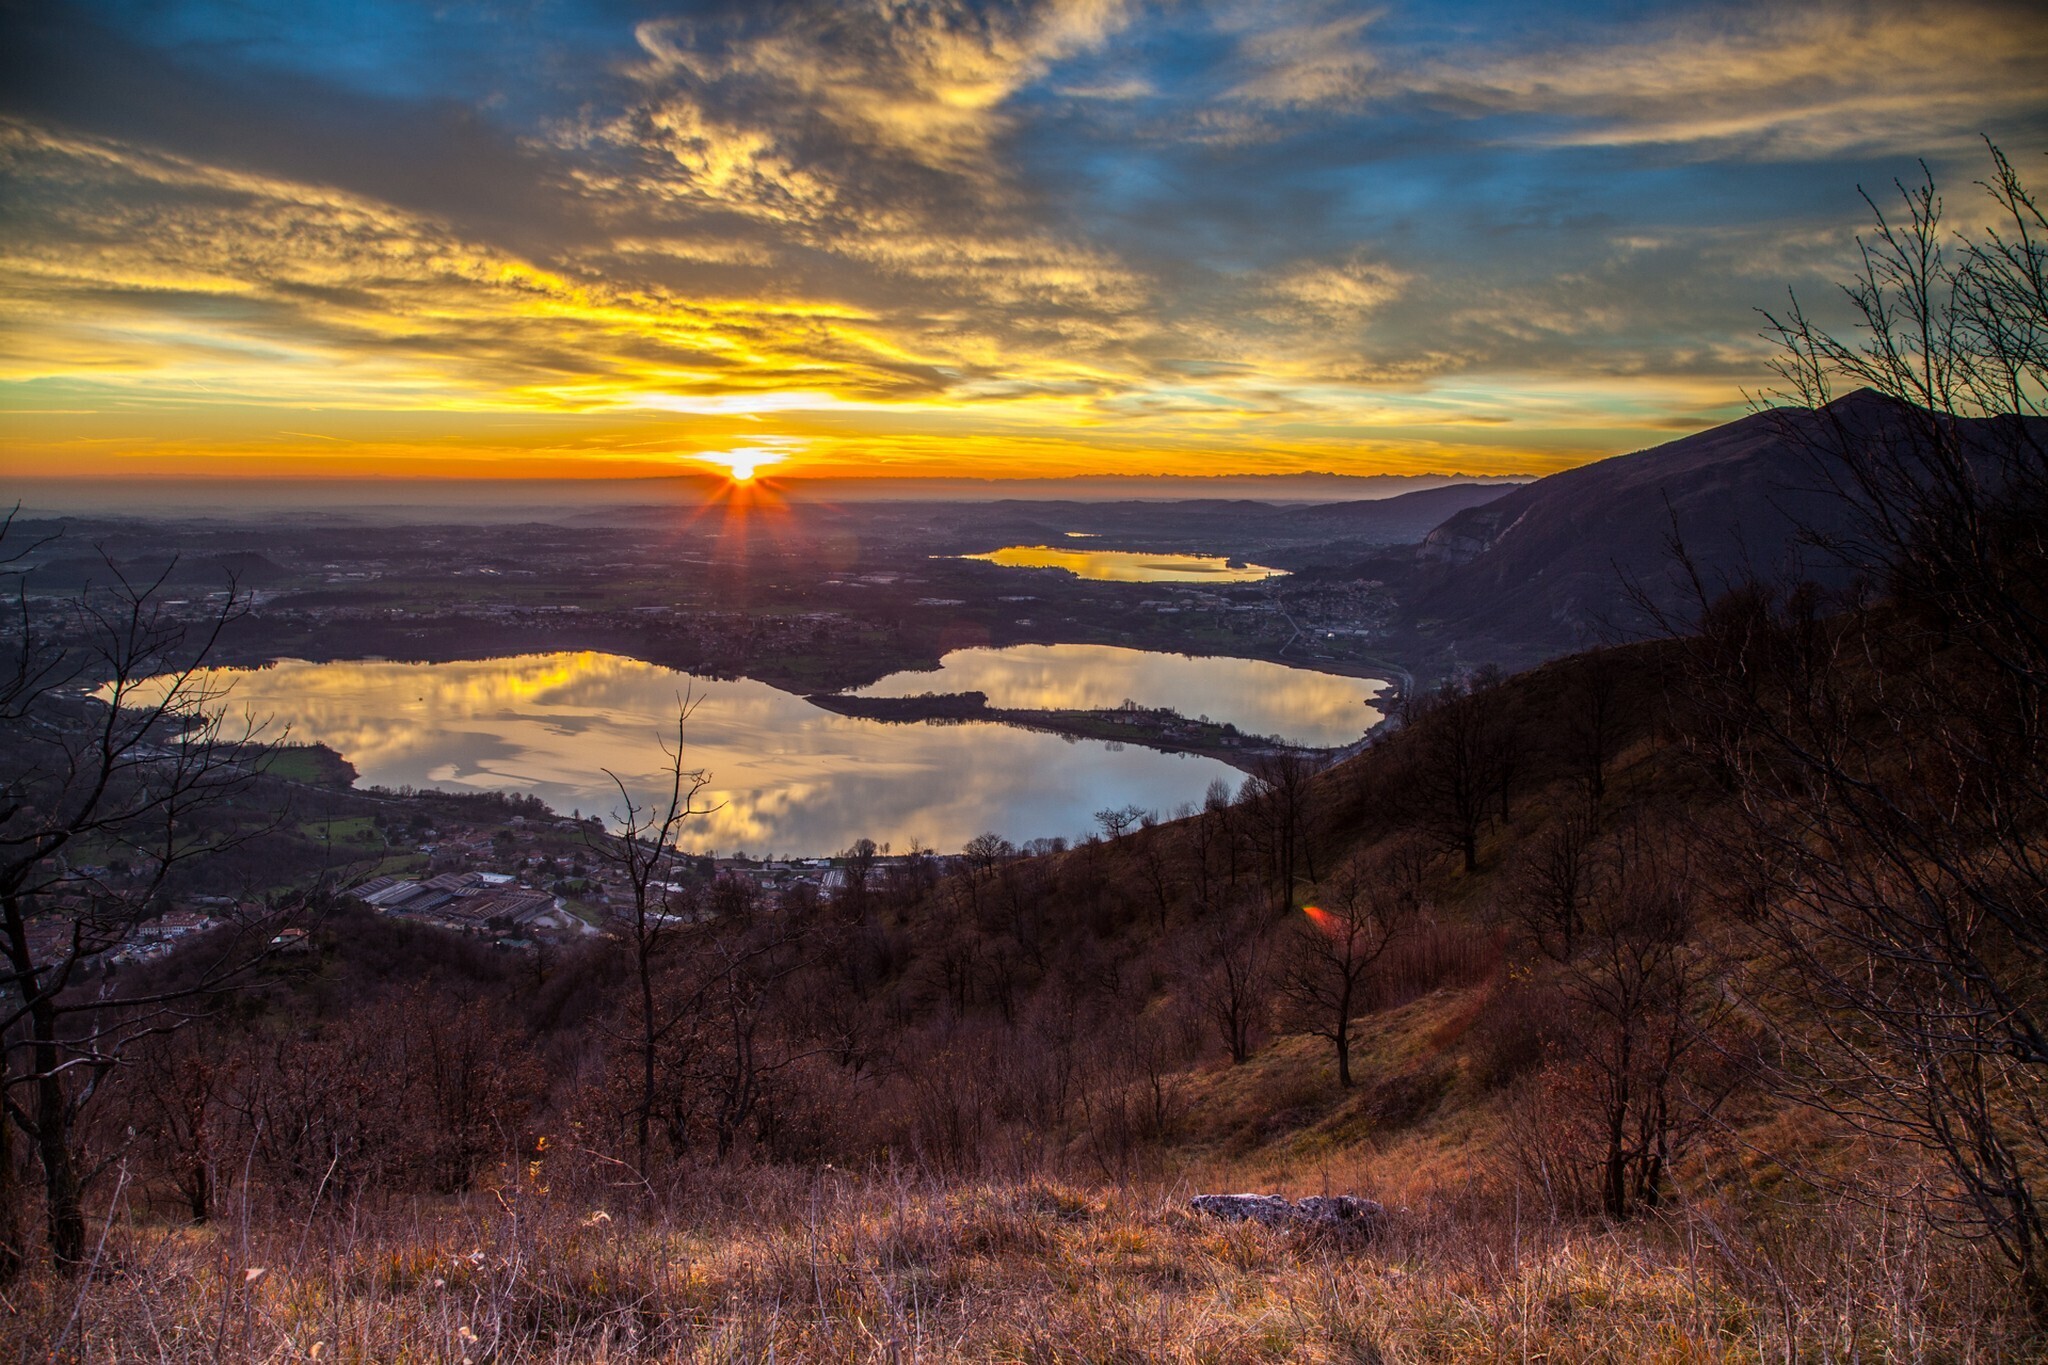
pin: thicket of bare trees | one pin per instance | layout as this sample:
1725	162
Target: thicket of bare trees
1228	975
1639	1052
1275	805
118	768
1891	763
1463	769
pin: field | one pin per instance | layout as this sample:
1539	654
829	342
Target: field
555	1265
1088	1254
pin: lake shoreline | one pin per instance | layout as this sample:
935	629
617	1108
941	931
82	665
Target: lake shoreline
1160	728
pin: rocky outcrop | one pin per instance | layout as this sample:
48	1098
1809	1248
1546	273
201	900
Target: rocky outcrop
1464	537
1342	1211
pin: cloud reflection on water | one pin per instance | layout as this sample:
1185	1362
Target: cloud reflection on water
1298	704
793	778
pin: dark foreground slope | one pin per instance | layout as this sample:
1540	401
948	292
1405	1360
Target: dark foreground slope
958	1116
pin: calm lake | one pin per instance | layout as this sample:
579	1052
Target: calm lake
793	778
1300	705
1127	566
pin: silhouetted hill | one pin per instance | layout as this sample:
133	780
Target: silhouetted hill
1403	519
1547	568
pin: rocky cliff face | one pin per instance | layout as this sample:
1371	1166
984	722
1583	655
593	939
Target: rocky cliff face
1464	537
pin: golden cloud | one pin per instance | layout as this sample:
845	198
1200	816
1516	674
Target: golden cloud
1344	294
924	81
1789	81
146	264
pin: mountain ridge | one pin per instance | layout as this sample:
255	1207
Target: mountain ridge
1586	556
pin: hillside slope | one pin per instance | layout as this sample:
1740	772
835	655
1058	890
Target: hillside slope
990	1095
1549	567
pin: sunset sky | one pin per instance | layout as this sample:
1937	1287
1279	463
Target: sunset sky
878	237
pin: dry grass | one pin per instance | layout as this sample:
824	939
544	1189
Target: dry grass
560	1263
830	1266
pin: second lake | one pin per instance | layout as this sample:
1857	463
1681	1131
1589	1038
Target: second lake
1300	705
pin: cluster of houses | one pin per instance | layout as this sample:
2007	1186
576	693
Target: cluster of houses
161	936
492	904
122	943
104	943
825	874
484	904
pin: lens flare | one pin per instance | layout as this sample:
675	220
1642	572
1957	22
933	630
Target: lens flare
1321	919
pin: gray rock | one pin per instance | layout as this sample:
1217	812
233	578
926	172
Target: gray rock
1346	1211
1269	1209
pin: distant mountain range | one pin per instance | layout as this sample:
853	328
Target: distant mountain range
1547	568
1280	534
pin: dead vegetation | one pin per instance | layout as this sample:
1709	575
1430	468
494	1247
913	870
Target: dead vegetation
550	1264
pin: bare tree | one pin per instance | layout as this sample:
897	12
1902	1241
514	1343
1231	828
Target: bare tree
180	1102
1026	884
1643	991
1229	975
1639	1055
911	879
1552	882
709	969
1593	720
642	846
1200	834
1156	860
983	854
1499	737
1455	779
1221	836
1116	821
1277	798
1326	971
113	744
858	863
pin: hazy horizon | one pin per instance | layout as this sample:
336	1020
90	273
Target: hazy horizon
243	497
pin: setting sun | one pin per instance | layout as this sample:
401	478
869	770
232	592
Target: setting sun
741	465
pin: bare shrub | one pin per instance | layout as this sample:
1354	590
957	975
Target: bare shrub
1516	1025
1432	955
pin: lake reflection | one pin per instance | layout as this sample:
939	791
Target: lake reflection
1298	704
1127	566
793	778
